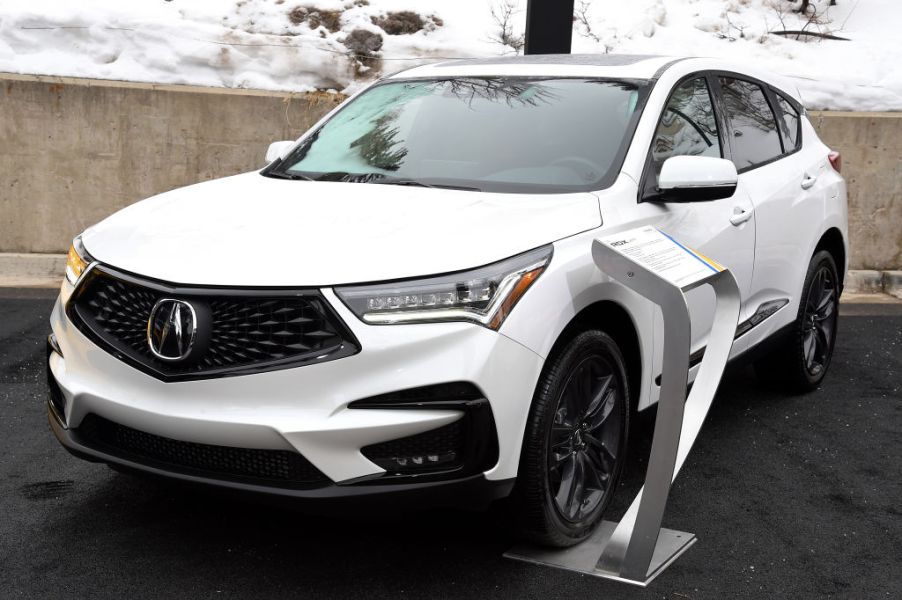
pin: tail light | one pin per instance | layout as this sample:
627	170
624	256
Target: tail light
835	159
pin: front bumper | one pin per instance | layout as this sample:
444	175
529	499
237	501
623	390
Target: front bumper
306	409
474	491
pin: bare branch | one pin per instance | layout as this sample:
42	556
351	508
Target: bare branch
583	26
730	27
811	16
503	13
818	34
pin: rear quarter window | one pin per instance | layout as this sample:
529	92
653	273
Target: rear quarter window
791	124
753	127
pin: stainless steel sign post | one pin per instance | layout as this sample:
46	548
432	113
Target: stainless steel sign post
637	549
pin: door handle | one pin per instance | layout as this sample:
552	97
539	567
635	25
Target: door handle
740	216
808	181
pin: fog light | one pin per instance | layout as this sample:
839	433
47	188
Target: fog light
413	462
463	448
436	450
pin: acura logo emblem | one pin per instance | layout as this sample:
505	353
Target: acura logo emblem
171	329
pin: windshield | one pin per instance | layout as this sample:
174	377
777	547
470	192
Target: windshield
493	134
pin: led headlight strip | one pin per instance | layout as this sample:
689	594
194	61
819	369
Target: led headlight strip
485	295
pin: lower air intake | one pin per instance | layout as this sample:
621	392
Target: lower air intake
281	468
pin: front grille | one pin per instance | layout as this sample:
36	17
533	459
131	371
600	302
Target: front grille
270	467
242	330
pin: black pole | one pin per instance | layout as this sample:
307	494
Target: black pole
549	26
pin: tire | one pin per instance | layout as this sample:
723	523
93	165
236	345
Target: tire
801	361
588	379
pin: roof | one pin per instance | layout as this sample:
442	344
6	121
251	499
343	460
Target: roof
593	60
613	66
626	66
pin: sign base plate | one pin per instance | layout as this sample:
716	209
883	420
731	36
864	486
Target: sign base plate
583	558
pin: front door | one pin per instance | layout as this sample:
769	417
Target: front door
723	230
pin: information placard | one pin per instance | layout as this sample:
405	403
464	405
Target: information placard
663	255
650	263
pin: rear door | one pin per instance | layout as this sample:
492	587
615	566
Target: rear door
781	180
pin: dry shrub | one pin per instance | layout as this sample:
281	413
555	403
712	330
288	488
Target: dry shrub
406	22
362	47
330	19
400	23
363	43
315	17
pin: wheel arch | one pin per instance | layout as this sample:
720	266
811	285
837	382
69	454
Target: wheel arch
612	318
833	242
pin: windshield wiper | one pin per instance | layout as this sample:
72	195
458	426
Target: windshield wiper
413	182
377	178
292	176
417	183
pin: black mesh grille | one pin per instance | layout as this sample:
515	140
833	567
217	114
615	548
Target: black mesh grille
119	310
273	467
260	330
247	331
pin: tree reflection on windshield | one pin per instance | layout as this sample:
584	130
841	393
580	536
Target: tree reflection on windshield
523	92
382	149
377	147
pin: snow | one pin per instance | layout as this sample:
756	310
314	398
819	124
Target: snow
254	43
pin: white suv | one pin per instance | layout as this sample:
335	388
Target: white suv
404	301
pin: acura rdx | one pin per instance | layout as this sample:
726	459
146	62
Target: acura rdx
403	302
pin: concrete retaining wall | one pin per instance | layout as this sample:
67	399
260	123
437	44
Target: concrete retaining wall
75	151
871	147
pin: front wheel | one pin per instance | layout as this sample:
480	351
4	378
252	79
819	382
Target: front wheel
802	360
575	442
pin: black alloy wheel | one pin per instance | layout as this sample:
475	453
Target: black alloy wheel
575	441
801	359
819	319
585	439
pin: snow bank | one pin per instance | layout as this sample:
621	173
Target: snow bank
301	45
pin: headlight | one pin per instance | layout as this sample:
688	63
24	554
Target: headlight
485	295
77	261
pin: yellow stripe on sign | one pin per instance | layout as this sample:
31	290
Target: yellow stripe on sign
713	263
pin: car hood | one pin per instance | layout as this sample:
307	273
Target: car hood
250	230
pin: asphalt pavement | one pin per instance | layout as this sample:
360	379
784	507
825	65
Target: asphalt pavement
790	497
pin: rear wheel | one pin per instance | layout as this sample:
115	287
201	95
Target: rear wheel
575	442
801	362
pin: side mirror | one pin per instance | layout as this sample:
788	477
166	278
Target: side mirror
278	150
696	178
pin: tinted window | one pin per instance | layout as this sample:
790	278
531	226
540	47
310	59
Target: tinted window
791	124
754	128
497	134
688	126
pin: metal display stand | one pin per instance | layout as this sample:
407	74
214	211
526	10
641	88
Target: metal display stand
638	549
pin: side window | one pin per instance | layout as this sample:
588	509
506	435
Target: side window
754	128
688	126
791	124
